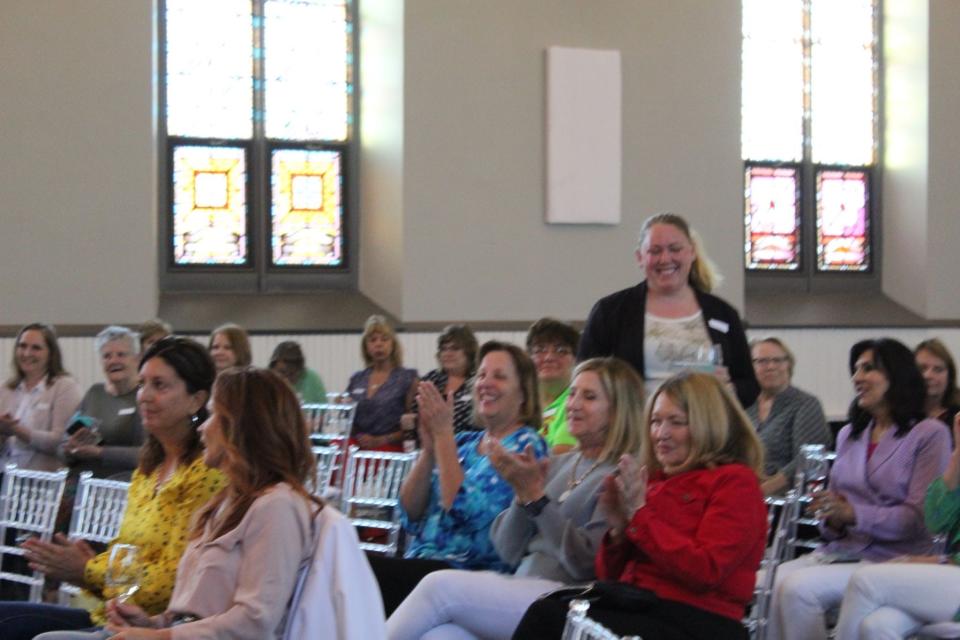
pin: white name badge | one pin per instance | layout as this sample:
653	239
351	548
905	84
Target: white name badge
126	411
719	325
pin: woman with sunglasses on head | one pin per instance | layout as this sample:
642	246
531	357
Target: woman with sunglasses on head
785	417
171	482
239	569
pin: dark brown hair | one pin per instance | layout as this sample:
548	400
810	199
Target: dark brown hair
193	365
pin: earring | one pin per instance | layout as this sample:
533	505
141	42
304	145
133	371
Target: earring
195	420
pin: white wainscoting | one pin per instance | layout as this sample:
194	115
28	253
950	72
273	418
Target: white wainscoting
821	355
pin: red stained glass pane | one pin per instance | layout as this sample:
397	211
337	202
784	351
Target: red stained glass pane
772	218
843	221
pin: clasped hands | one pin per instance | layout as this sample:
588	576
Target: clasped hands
61	558
833	508
435	415
522	471
624	492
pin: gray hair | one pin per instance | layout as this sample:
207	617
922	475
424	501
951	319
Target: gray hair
114	332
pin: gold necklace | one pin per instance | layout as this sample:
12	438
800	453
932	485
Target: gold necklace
575	482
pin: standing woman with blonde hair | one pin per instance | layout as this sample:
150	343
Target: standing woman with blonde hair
384	390
36	402
671	318
687	523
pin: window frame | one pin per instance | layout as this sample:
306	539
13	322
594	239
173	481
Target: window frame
259	275
808	277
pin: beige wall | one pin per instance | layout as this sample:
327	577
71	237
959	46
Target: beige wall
452	159
943	242
77	161
474	171
921	187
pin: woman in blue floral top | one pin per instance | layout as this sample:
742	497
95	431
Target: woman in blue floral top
894	599
452	495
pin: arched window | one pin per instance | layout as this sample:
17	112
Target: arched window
810	135
257	122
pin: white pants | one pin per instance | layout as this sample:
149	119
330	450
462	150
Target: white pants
804	590
889	601
461	605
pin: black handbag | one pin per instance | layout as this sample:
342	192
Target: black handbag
606	594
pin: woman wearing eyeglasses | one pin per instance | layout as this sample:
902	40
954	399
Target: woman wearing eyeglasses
552	346
785	417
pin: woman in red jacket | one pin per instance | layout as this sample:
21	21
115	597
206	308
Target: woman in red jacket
687	523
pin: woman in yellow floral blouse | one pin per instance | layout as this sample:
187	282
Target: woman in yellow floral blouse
170	483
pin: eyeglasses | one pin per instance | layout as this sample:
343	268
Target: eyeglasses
555	349
449	347
762	362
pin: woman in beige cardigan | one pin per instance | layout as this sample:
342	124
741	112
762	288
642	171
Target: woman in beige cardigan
37	401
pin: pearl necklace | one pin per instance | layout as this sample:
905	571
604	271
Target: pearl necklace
575	482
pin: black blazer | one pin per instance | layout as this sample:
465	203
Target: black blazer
615	328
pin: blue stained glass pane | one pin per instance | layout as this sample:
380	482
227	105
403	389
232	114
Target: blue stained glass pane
209	68
307	70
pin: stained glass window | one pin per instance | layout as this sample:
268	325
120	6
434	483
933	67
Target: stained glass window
243	83
307	64
772	82
843	91
773	218
209	205
809	110
842	221
307	210
209	70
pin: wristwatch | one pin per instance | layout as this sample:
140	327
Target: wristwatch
534	508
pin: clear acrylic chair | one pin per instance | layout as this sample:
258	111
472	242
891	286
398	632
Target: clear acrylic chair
329	472
329	421
781	514
98	509
29	501
371	493
580	626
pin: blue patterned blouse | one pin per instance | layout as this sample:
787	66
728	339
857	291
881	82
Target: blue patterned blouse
461	536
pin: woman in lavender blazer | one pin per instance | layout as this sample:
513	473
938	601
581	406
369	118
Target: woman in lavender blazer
873	508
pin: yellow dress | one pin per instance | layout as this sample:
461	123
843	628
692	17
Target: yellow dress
159	524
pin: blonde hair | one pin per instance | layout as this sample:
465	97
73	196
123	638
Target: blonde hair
379	324
703	273
720	432
625	392
778	343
